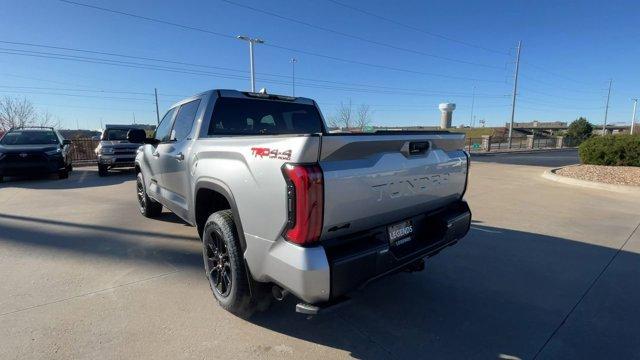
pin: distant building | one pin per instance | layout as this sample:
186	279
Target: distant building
540	124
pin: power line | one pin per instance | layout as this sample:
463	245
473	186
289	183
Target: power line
185	27
527	89
430	33
359	38
558	106
560	109
377	86
87	90
124	56
75	95
559	87
385	67
205	73
91	107
310	53
558	75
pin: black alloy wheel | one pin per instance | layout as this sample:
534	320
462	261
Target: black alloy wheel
147	206
218	264
142	199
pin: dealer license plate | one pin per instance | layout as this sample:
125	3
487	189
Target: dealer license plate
400	233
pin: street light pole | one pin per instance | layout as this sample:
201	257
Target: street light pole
606	110
251	41
633	118
157	111
515	92
293	75
473	100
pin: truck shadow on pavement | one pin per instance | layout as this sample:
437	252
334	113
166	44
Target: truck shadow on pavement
102	241
83	177
497	293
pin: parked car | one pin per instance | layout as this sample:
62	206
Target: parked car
114	150
34	151
282	205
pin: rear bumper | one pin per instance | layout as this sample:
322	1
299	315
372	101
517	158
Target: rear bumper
326	273
361	259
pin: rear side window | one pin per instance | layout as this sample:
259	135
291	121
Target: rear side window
184	120
164	128
233	116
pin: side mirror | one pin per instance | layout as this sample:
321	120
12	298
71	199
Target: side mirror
136	136
66	142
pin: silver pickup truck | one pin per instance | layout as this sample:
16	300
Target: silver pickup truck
284	207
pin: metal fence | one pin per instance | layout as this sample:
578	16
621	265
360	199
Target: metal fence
495	144
83	150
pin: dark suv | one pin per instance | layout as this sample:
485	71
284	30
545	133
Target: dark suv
34	151
114	150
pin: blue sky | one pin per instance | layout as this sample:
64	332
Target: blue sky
401	58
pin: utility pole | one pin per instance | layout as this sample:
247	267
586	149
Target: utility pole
157	111
515	91
293	75
606	110
473	100
134	118
251	41
633	118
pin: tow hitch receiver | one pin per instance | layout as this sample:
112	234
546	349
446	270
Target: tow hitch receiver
415	266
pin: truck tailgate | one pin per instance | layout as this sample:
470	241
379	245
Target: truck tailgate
371	179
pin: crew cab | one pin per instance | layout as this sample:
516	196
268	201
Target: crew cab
284	206
28	151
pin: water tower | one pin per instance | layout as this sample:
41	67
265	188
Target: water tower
447	114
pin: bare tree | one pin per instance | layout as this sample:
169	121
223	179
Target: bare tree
364	116
16	112
343	116
46	119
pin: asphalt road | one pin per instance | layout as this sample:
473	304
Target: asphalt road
548	271
551	158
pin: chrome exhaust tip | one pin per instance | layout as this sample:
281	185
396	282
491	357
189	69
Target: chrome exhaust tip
279	293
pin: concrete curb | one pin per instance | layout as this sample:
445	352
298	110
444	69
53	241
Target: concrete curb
527	151
624	189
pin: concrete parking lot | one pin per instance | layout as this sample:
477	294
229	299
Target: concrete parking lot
548	271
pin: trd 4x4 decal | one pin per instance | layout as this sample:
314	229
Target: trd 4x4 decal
271	153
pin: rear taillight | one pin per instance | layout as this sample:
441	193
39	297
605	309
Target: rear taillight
304	203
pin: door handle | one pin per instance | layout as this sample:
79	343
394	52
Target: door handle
179	156
155	154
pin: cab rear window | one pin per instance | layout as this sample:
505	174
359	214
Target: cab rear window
234	116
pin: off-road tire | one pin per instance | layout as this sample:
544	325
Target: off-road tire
63	174
147	206
103	170
238	299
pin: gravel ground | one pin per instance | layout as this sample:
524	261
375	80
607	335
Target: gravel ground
619	175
